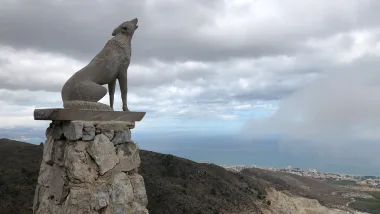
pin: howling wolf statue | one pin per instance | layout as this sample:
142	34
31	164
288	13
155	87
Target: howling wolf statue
84	89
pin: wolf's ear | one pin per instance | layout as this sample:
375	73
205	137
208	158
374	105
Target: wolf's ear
115	31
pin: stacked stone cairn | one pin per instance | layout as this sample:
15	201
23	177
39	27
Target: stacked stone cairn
90	167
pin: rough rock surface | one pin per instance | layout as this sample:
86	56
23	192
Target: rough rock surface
139	191
286	203
73	130
78	163
128	154
122	137
109	133
103	152
48	150
83	172
55	129
88	131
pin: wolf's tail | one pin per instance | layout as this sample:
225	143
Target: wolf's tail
87	105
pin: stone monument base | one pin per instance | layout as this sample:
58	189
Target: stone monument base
89	167
86	115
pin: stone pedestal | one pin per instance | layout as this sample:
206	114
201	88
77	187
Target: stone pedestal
90	167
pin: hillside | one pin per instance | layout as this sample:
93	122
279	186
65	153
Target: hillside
178	185
19	167
326	194
174	185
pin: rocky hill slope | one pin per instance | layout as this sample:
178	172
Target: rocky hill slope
177	185
298	194
174	185
19	167
307	187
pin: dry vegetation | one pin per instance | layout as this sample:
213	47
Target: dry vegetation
176	185
19	166
326	194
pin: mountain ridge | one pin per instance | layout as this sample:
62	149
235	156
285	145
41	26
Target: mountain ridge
176	185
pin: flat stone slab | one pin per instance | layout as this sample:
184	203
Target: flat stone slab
86	115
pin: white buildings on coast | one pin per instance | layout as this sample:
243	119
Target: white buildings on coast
342	179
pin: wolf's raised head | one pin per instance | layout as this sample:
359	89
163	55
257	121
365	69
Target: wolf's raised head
127	28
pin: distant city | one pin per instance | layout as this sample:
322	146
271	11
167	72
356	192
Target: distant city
340	179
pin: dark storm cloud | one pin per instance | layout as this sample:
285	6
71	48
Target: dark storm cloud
172	30
81	29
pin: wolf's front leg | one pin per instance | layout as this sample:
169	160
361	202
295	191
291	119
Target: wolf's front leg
111	91
122	77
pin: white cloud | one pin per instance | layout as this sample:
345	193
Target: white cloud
28	69
216	60
350	46
337	116
16	116
192	89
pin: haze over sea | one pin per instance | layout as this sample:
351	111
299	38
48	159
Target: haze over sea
231	148
266	82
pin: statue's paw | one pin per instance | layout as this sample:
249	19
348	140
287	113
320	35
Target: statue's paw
125	108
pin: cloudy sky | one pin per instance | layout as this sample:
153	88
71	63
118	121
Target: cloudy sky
303	72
